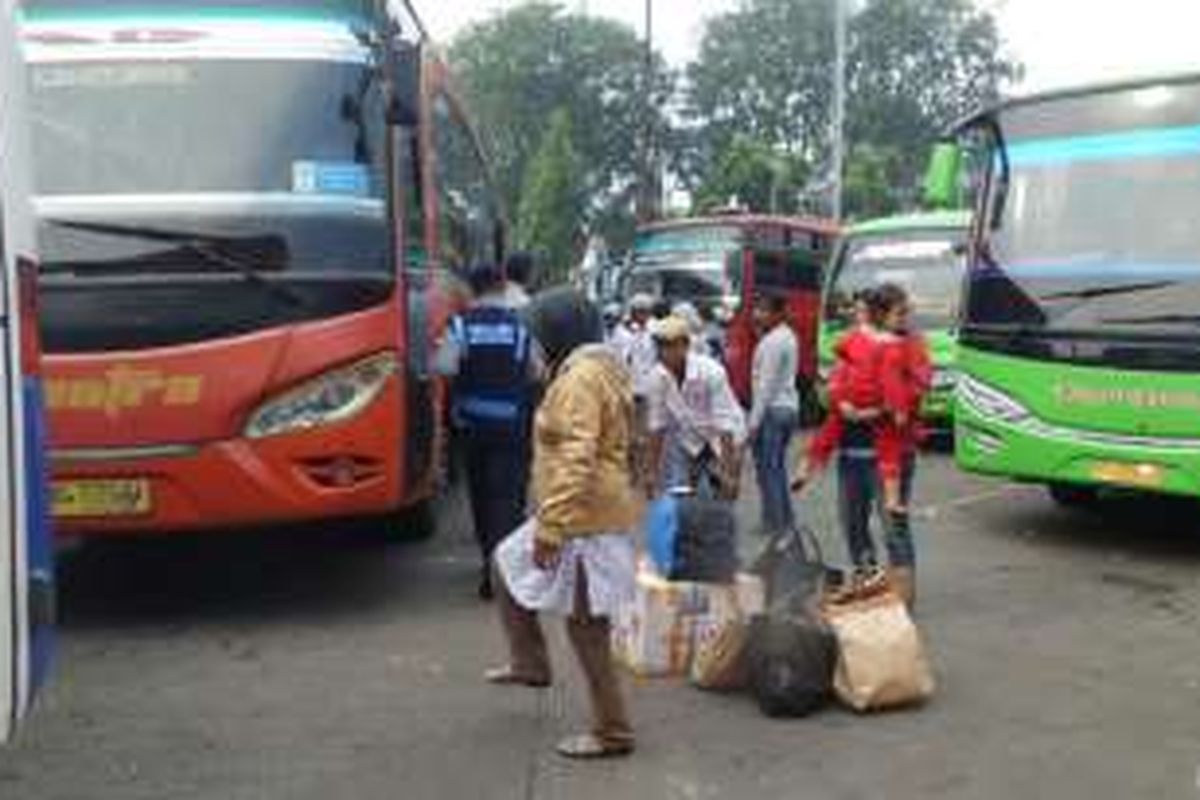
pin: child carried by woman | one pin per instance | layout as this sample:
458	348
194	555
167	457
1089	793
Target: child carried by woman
879	381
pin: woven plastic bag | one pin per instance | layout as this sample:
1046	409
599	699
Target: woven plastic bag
882	662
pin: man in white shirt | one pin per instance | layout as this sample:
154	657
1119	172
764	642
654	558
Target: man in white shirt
692	416
775	413
634	342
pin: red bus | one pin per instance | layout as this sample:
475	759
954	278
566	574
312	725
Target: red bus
242	211
720	263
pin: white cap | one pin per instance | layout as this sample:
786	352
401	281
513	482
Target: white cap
641	302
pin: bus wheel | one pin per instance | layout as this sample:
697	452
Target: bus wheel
1070	495
416	523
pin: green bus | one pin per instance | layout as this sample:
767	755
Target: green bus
925	253
1079	348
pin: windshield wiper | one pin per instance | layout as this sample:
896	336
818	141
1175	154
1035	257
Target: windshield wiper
1160	319
1108	291
219	251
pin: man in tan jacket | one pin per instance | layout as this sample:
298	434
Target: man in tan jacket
576	557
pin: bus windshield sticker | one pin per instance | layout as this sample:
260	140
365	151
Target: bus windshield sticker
904	251
330	177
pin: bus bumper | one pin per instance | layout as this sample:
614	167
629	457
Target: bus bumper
1033	451
345	470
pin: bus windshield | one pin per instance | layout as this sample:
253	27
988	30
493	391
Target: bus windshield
136	158
1093	197
693	264
926	263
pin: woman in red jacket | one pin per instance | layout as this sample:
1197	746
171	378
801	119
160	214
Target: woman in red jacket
905	373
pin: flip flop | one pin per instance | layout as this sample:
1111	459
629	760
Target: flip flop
507	676
589	747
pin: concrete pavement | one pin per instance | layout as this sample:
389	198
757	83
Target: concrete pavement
305	665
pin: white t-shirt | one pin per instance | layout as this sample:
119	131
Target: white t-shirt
776	363
700	410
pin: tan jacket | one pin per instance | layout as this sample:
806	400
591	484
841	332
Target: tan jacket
582	436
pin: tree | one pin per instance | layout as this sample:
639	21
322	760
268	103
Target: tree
913	67
754	174
549	219
916	67
763	72
519	67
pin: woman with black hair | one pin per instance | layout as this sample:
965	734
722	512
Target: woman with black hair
576	557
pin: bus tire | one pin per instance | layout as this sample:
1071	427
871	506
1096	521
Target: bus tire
1074	496
412	524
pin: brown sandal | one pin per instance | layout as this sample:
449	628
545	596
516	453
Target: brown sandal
590	747
507	676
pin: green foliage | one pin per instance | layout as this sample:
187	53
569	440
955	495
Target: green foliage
519	67
754	174
549	218
916	67
913	67
873	184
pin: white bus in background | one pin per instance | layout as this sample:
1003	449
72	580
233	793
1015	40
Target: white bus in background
26	554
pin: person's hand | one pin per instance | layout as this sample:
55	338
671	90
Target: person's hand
546	554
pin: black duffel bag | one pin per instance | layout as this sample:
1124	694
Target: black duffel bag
792	653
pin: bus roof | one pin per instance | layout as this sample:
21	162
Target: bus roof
807	224
313	10
901	223
1082	90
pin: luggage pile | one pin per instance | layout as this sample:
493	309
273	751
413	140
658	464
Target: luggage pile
786	631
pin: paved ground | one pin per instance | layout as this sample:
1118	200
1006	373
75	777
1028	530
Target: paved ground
308	666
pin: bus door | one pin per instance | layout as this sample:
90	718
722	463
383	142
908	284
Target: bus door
790	269
26	574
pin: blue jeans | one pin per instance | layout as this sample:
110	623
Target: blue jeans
770	463
859	494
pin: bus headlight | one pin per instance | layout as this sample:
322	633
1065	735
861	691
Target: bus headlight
990	402
335	396
944	380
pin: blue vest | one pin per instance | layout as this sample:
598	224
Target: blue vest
493	391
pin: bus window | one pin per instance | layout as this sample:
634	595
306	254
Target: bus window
468	220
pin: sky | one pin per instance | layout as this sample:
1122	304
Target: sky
1061	42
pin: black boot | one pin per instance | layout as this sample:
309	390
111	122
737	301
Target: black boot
487	592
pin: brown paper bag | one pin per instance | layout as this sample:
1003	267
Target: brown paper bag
718	660
882	662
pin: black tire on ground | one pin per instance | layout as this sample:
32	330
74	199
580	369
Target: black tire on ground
1070	495
416	523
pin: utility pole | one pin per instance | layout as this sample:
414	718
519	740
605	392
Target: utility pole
838	132
648	163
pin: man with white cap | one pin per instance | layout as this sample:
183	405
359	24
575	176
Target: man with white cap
695	423
635	346
634	343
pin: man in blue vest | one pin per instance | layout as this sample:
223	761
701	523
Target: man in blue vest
496	367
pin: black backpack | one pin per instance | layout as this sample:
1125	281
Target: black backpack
792	653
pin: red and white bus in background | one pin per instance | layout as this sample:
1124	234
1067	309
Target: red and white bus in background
720	264
26	553
243	210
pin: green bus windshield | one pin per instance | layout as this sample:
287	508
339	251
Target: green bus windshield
1095	236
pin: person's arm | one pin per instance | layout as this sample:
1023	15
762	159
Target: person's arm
570	429
448	360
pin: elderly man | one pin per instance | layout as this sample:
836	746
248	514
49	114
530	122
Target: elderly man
695	424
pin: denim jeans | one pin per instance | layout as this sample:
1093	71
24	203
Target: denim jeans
770	463
859	494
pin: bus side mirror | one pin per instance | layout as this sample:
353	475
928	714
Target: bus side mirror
944	178
404	74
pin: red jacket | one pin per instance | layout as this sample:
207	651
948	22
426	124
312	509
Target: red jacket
855	376
905	375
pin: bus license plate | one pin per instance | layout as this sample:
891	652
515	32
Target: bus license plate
1142	476
107	498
